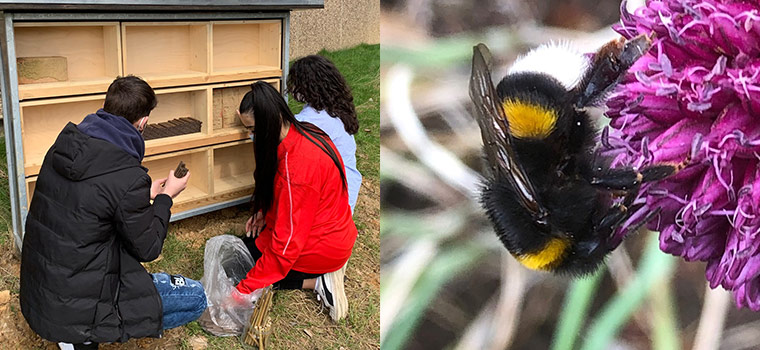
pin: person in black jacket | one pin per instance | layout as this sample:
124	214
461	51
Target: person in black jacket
91	223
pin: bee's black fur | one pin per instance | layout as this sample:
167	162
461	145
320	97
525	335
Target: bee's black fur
560	167
570	189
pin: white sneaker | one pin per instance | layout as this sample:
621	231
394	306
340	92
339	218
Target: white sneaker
330	292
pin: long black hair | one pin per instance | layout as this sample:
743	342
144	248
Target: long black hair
269	110
315	80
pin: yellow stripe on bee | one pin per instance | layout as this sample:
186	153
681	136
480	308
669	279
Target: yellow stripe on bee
545	258
528	120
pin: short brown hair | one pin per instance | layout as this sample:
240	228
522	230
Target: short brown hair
130	97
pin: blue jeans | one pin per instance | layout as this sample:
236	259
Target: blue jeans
184	299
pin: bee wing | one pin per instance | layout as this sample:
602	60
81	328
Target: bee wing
497	141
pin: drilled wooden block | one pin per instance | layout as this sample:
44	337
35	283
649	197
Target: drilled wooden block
181	170
174	127
46	69
225	103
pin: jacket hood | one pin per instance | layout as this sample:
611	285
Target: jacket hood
116	130
78	156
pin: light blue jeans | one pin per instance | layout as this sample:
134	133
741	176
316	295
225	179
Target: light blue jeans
184	299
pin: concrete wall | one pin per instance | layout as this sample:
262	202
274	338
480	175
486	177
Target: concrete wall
341	24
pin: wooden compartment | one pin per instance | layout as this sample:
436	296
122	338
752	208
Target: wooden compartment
167	54
225	101
43	120
30	184
91	50
246	50
198	187
233	169
178	103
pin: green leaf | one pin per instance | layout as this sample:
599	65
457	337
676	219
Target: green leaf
654	267
445	266
574	311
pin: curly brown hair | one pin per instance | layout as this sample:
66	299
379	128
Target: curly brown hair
315	80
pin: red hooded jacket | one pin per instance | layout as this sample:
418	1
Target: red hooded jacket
309	227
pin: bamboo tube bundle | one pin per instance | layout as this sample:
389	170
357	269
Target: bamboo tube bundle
260	326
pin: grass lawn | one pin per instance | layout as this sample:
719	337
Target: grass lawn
298	321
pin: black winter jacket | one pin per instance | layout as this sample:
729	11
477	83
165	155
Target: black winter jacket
89	226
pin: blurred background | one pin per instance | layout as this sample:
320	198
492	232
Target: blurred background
446	281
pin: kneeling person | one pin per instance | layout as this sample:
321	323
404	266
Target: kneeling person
91	223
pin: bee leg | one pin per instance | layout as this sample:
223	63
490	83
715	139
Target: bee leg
618	179
643	222
608	66
626	179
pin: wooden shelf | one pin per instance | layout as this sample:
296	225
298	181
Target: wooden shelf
197	161
233	167
246	49
198	69
92	52
225	102
43	120
167	53
176	103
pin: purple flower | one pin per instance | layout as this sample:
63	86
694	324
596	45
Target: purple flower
696	93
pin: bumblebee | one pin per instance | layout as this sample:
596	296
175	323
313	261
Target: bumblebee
552	197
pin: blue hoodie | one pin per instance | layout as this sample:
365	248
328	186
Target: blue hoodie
344	142
116	130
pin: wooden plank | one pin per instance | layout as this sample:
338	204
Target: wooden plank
112	50
246	46
170	50
71	87
163	5
233	167
161	146
31	183
270	45
82	44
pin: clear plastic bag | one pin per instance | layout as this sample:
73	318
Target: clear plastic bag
226	261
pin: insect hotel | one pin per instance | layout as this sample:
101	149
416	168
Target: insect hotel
59	57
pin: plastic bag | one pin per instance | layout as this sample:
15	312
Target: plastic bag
226	261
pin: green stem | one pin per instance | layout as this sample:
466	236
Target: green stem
574	311
654	266
664	323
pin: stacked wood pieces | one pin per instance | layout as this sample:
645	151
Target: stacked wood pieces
261	325
174	127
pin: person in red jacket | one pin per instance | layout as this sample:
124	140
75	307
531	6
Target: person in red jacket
302	232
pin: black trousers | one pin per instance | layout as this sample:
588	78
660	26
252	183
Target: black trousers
293	280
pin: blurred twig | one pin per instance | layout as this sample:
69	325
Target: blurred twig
399	109
395	331
741	337
495	325
415	177
402	276
713	316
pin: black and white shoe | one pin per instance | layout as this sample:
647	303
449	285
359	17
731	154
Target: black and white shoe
331	293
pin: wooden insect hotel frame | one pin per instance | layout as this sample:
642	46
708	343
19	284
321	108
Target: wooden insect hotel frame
58	58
